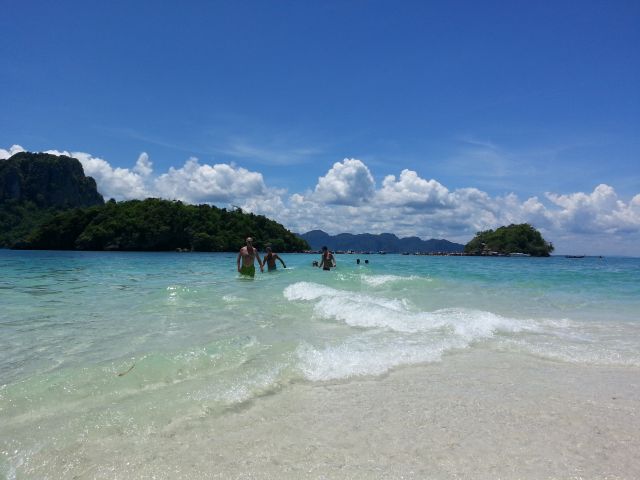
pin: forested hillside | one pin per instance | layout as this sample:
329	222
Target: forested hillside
157	225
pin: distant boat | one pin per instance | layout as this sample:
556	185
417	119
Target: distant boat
518	254
574	256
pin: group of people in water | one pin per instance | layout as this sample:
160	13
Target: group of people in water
249	254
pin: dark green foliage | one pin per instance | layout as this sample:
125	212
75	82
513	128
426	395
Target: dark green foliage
522	238
61	231
17	219
157	225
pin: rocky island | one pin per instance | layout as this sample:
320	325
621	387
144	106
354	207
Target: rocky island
513	240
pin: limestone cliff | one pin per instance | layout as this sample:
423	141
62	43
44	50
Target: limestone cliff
34	187
47	180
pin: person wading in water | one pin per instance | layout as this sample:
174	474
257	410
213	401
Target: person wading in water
270	260
327	261
248	254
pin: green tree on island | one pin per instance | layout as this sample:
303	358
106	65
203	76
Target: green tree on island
522	238
159	225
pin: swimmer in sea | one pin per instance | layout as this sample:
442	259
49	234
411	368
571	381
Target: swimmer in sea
327	260
248	253
270	259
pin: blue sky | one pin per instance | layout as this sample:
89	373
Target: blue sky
499	111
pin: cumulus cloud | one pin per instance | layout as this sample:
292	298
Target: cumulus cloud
13	149
600	210
411	190
144	166
346	183
198	183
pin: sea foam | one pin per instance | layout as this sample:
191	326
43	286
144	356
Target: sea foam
356	357
364	310
378	280
389	332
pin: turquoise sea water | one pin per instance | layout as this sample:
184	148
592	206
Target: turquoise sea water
192	339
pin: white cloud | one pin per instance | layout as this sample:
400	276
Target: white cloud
198	183
144	166
13	149
598	211
411	190
346	183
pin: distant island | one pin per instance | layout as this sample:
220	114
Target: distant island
47	203
384	242
513	240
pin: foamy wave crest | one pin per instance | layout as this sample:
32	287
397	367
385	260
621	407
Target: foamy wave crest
476	324
363	310
307	291
378	280
357	357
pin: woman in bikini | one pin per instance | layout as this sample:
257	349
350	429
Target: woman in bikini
327	261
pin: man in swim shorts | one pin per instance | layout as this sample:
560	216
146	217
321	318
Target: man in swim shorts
248	254
270	259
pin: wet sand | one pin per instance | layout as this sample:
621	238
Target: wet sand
477	414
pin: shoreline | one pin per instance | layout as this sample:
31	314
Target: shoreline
477	414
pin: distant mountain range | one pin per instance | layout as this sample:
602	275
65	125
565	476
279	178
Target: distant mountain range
386	242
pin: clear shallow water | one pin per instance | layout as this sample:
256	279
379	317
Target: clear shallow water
200	341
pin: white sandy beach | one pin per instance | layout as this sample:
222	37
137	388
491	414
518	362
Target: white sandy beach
478	415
